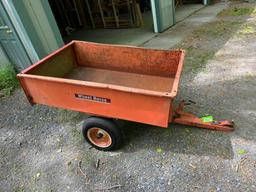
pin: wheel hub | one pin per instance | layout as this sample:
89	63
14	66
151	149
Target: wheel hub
99	137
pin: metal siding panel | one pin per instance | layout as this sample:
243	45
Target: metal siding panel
41	21
30	29
55	29
20	30
165	14
11	43
4	59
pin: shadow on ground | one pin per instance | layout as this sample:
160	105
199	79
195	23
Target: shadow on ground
177	139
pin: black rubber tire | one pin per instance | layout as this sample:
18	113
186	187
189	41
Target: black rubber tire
107	125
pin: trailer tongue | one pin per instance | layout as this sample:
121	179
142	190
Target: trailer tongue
185	118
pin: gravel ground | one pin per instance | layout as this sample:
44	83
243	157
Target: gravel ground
42	149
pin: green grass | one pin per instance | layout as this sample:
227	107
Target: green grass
217	28
204	42
8	81
241	151
234	11
247	29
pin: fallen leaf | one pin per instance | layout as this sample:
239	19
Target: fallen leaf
241	151
193	166
59	150
159	150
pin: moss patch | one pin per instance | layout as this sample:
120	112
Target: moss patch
216	29
8	81
248	29
235	11
204	42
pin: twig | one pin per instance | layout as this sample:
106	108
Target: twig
79	168
108	188
97	164
240	163
243	159
86	178
237	167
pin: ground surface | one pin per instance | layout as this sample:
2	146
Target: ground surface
41	148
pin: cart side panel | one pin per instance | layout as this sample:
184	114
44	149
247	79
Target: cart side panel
147	109
128	59
57	65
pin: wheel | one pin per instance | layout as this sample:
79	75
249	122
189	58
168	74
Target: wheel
102	133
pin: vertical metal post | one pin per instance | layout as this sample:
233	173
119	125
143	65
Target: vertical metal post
153	8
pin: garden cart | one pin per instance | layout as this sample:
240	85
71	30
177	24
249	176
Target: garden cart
112	82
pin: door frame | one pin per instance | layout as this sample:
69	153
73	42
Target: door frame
153	9
155	14
20	30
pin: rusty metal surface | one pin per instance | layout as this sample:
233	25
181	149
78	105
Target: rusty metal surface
58	65
132	80
99	137
185	118
128	59
52	56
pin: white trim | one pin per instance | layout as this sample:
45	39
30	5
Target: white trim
153	8
17	24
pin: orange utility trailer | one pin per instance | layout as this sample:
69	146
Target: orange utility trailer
112	82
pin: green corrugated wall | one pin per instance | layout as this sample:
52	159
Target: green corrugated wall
39	23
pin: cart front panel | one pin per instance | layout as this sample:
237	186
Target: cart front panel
106	102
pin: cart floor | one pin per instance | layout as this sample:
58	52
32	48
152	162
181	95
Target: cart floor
132	80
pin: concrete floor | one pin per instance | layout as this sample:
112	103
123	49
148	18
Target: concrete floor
176	34
134	36
184	11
